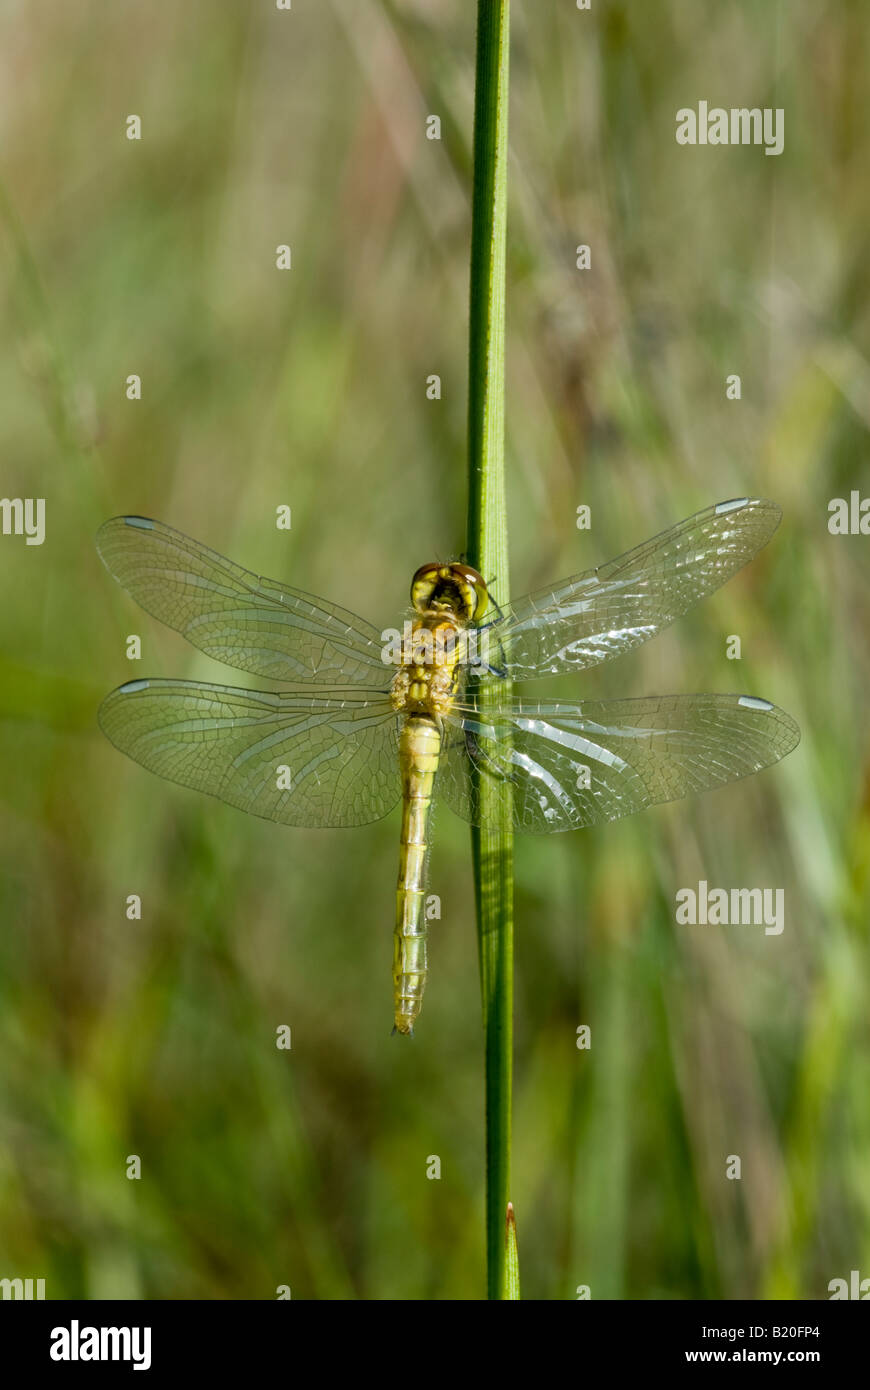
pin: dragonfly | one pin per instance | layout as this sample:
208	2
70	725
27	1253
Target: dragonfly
366	719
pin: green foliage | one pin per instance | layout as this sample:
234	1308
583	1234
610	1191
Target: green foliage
492	841
263	1167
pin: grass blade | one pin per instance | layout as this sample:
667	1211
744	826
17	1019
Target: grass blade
492	843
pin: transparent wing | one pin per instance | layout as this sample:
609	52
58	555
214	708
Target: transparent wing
255	624
596	615
341	753
578	765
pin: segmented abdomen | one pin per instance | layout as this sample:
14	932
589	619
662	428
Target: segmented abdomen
419	750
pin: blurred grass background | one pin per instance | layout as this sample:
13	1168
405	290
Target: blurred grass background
157	1038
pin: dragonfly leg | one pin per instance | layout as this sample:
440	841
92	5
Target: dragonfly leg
494	601
480	758
478	665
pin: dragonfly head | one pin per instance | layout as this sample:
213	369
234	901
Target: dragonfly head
453	588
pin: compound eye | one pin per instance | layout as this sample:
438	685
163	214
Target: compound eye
423	586
473	584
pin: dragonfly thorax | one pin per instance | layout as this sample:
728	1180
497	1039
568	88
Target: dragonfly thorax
426	680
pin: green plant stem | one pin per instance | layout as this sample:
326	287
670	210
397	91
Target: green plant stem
492	843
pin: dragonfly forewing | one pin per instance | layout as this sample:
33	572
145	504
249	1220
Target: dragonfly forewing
255	624
576	765
299	759
596	615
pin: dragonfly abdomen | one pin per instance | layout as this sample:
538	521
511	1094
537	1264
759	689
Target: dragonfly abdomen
419	751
